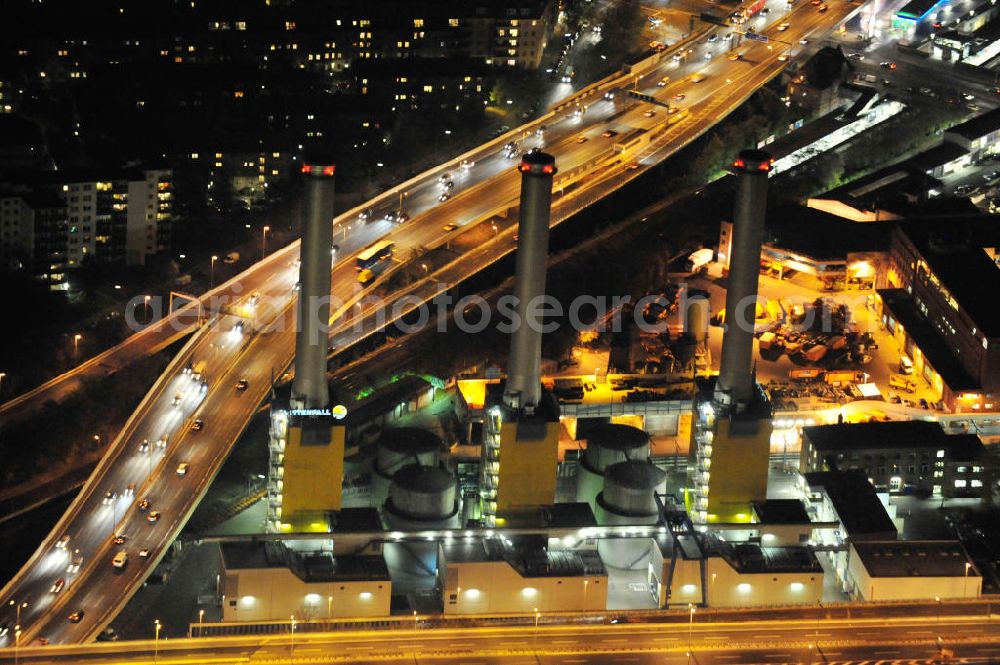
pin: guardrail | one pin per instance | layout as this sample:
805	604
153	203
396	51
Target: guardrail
114	451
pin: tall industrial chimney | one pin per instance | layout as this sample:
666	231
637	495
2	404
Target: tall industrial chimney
735	383
309	387
524	382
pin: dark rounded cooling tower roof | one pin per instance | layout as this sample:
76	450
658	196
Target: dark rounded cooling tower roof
635	474
617	437
421	479
409	441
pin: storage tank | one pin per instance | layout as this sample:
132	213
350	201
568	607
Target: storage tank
421	497
606	445
697	314
396	448
628	498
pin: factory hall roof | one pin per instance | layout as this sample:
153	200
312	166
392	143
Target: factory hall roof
876	435
855	502
749	558
914	558
780	511
529	557
979	126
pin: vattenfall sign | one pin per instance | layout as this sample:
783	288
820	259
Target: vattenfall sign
338	412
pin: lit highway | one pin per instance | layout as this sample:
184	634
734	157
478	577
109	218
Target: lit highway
874	641
98	589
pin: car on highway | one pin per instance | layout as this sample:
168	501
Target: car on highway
803	41
448	228
153	516
182	469
783	57
297	287
144	553
679	96
632	166
732	57
144	446
823	8
120	559
197	425
650	113
130	490
119	539
109	496
662	83
581	139
888	64
242	385
161	442
75	617
784	26
177	400
74	563
63	542
961	190
609	133
712	38
58	585
697	77
609	95
856	56
144	505
467	164
366	215
253	299
443	178
444	196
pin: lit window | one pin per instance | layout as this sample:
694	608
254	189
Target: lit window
453	22
940	453
960	483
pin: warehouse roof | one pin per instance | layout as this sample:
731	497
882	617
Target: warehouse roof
915	558
855	501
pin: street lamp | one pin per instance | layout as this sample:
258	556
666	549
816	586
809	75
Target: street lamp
76	343
201	622
18	606
536	617
156	641
145	302
690	624
17	643
211	282
495	231
293	638
263	242
424	266
937	599
329	607
2	375
965	584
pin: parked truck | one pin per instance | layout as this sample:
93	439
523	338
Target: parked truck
842	376
815	353
698	259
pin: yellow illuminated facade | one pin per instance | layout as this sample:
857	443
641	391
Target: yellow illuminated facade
306	480
526	477
731	457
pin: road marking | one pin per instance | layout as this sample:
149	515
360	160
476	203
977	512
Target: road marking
777	655
757	637
617	640
726	657
563	641
920	632
665	639
888	652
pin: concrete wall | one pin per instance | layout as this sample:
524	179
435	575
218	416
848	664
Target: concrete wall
275	594
495	587
863	586
728	588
